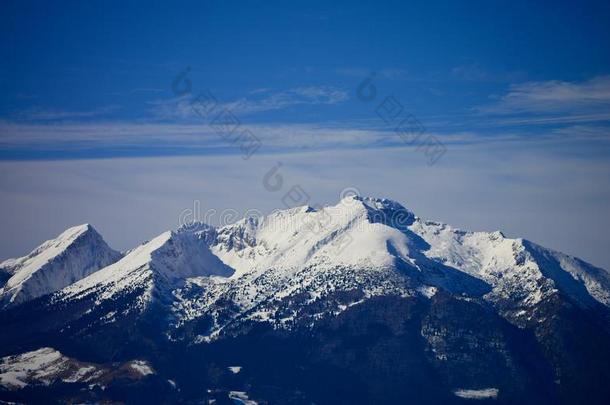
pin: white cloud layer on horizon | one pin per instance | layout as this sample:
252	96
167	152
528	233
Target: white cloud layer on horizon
274	137
558	201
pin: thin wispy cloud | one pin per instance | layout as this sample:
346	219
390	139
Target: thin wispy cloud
474	72
122	135
113	139
553	120
178	108
554	96
45	114
259	100
269	101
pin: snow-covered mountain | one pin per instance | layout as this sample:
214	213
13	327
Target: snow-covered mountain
366	246
153	269
57	263
376	247
458	302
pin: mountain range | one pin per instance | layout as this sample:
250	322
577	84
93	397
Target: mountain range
360	302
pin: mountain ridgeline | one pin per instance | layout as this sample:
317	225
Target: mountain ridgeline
361	302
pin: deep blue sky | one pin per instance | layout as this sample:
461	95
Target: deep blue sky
518	92
93	62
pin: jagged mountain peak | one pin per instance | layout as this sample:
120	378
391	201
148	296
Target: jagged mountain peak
55	264
168	258
376	203
52	246
366	232
356	231
77	230
349	211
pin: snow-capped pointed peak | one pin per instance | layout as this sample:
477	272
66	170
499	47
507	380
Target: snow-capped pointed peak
169	257
55	264
76	231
